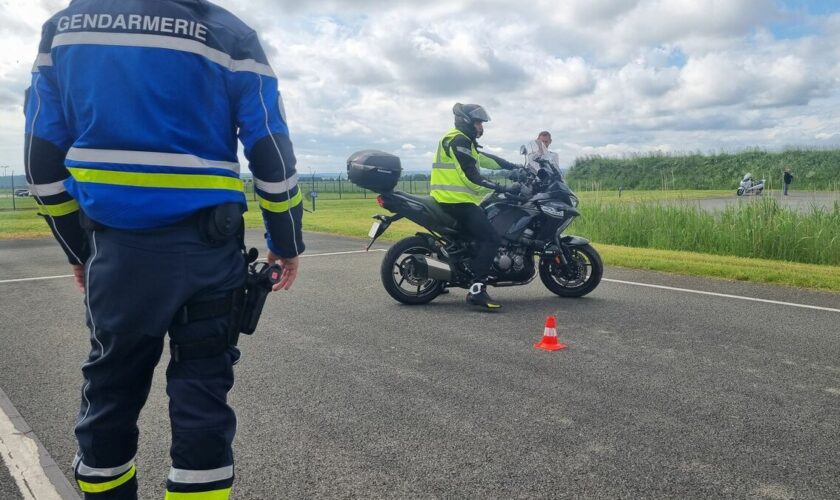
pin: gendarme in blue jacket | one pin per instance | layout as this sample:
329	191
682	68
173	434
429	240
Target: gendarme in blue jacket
134	112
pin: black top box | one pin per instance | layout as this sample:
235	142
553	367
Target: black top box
375	170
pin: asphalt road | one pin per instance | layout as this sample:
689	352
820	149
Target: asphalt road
802	201
345	393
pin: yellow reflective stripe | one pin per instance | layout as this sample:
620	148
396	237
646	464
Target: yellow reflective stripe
110	485
68	207
281	206
199	495
156	180
454	189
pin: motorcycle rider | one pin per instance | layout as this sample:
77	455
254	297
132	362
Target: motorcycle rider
457	185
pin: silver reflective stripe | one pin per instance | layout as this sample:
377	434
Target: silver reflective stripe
277	187
47	189
200	476
42	60
84	470
444	166
147	158
457	189
163	42
464	150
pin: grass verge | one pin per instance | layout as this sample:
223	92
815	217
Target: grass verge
353	218
734	268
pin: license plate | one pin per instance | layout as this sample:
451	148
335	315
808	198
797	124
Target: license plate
374	229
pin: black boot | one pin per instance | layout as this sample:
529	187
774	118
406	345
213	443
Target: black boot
478	296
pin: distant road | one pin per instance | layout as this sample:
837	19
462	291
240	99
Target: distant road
797	200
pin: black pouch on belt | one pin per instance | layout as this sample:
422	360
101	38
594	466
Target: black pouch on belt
89	224
220	223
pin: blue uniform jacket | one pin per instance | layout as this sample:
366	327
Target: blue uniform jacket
134	112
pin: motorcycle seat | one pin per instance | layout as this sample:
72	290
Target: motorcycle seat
433	207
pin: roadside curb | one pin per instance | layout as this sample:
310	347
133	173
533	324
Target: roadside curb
62	486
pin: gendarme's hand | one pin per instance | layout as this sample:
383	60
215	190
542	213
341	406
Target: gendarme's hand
290	269
79	276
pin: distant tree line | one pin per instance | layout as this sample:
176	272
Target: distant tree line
812	170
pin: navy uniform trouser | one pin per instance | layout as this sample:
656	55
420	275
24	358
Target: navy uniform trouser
474	220
136	284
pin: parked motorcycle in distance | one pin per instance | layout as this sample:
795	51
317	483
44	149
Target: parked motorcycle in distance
531	223
750	186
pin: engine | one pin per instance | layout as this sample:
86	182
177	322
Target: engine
514	263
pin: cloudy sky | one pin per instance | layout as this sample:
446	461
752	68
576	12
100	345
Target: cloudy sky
604	76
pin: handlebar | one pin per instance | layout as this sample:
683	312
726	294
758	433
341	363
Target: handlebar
515	197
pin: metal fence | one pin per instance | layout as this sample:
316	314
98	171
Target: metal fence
340	188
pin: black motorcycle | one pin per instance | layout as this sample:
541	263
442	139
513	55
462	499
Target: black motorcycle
531	222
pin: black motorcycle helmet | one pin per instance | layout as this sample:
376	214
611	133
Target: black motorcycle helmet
466	115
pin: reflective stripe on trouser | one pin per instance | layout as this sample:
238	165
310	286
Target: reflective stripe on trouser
168	267
211	484
114	482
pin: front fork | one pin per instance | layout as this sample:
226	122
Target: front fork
562	248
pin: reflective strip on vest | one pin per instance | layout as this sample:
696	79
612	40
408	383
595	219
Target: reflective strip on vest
457	189
44	59
152	158
200	476
446	166
162	42
199	495
51	189
281	206
109	485
277	187
156	180
65	208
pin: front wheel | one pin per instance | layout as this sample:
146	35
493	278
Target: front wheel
579	277
740	191
399	276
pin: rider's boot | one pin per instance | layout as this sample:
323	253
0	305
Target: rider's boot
478	296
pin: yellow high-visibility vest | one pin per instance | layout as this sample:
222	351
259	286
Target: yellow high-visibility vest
449	183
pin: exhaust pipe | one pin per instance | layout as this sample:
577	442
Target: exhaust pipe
429	268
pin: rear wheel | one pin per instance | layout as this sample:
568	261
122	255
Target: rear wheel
399	276
582	274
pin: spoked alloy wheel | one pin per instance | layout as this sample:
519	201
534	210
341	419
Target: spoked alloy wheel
580	277
399	275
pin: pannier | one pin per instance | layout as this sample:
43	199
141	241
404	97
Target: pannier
375	170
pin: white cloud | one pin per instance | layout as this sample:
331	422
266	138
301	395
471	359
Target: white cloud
605	76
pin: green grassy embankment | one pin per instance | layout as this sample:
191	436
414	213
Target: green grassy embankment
353	218
622	231
813	169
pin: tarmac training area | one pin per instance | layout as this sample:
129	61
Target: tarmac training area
671	387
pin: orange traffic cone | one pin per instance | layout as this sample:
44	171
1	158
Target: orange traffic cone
549	340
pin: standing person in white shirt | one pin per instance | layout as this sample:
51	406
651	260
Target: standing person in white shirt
538	150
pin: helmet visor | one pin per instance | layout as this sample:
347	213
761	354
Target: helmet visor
478	114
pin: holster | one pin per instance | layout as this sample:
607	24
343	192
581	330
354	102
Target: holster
232	305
